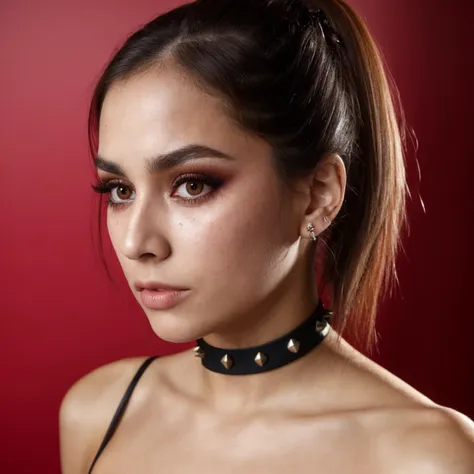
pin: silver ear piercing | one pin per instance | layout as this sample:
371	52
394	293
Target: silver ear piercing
310	228
326	220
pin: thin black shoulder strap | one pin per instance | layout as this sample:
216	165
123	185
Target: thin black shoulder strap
121	408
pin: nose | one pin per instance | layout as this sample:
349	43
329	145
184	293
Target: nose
143	235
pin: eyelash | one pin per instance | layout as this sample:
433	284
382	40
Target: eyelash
107	186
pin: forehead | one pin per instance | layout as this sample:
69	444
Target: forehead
161	110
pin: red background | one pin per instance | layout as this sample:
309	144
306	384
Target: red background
61	317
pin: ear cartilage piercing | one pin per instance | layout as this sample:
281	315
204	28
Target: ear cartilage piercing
325	219
310	228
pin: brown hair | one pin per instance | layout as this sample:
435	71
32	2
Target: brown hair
363	269
307	76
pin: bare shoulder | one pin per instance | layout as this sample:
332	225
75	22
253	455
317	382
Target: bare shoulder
416	434
88	407
410	432
435	440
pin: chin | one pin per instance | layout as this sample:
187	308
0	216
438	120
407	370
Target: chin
170	328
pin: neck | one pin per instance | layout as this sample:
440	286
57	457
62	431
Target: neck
275	317
279	390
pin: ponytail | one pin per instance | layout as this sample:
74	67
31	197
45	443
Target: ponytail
365	241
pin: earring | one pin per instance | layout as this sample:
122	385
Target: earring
310	228
326	220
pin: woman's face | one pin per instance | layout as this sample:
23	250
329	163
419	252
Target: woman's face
212	217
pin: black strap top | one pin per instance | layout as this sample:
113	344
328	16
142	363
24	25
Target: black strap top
121	409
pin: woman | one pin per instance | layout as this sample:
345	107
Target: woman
252	160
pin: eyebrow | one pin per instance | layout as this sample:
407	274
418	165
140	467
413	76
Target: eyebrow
166	161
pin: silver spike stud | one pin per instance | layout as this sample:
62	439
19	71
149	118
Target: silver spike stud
198	352
227	361
260	359
293	345
320	326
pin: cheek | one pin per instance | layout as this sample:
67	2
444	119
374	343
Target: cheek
239	243
115	228
112	228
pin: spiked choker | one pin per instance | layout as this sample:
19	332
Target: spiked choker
269	356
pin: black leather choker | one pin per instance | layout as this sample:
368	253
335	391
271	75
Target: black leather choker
269	356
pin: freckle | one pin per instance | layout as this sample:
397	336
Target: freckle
180	224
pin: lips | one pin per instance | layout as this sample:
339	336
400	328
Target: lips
157	286
161	297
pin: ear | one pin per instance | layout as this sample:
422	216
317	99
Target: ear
325	193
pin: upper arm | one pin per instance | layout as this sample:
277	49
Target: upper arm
86	411
76	431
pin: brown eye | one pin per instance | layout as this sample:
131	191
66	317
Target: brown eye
121	193
194	188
